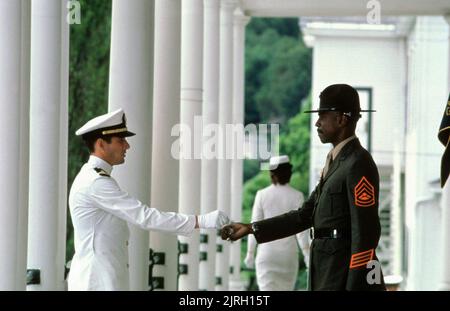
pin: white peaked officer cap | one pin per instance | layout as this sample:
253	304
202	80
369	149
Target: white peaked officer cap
110	124
274	162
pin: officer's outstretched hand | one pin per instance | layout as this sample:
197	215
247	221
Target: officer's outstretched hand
235	231
213	220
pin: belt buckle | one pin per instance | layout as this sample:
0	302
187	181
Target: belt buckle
334	234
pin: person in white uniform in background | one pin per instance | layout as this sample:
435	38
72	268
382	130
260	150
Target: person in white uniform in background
277	261
101	210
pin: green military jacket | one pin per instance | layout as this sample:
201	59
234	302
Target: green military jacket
345	199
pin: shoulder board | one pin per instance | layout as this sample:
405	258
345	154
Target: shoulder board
101	172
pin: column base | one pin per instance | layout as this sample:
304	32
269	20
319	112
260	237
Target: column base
236	285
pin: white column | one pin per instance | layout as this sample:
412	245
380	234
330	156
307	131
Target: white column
24	146
190	107
445	212
397	216
63	148
166	114
225	117
14	102
48	142
211	34
237	169
130	87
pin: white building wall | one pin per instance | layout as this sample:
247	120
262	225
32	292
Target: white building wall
362	62
408	76
428	57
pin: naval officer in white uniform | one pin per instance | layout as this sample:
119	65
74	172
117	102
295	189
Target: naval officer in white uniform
101	210
277	261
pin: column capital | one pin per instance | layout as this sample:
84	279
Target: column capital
228	4
240	19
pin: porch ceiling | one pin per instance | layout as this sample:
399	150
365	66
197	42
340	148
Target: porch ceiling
296	8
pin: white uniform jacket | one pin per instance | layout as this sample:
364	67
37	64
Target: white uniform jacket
277	261
100	211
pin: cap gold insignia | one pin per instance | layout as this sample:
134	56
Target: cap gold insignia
124	129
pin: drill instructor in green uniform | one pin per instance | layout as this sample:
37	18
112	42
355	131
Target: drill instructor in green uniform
342	211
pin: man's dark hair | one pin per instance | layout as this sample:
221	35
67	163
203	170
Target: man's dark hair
282	174
90	140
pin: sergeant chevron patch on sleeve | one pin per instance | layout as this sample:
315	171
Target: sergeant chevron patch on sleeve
361	259
364	193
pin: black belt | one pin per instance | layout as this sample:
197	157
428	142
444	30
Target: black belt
325	233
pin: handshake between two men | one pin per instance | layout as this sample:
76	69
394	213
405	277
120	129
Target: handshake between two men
230	231
235	231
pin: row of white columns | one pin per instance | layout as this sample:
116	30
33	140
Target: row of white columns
34	59
194	75
186	85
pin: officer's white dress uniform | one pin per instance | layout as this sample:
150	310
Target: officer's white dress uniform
277	261
100	211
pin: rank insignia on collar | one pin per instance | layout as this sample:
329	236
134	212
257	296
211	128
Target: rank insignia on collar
364	193
101	172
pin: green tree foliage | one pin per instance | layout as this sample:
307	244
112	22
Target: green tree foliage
294	142
278	70
283	26
284	84
251	168
88	82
